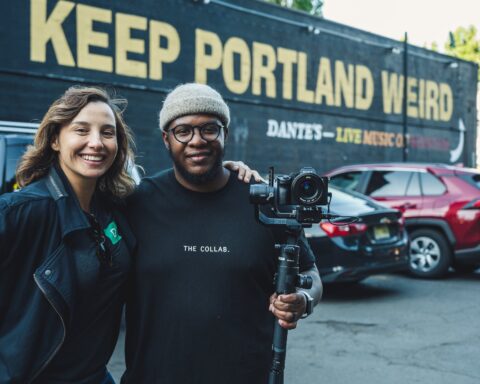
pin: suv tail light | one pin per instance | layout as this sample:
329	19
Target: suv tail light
474	204
343	230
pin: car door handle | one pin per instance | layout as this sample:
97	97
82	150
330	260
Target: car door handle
406	206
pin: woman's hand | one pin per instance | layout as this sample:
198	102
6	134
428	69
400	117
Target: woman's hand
244	171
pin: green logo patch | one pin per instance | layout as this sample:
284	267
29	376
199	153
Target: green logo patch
112	233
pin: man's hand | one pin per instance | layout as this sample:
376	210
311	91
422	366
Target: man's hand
288	309
244	171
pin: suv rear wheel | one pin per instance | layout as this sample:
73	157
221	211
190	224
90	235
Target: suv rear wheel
430	255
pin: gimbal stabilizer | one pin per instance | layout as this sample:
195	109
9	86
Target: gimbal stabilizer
294	202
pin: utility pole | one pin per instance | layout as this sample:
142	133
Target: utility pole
405	99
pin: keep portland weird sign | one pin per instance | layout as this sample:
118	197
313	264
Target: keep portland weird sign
302	90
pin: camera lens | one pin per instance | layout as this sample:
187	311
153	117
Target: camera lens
307	188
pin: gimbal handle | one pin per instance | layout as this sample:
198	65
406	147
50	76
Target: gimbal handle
287	279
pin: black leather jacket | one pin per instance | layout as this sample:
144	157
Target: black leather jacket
41	228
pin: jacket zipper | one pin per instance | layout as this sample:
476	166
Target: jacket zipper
63	336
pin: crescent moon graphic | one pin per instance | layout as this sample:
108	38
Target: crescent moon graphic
457	152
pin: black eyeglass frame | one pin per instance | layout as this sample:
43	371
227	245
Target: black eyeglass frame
200	131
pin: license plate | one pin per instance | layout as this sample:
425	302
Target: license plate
381	232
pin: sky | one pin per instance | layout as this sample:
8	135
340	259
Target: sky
425	21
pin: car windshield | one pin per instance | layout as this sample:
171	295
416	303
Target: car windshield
471	178
346	203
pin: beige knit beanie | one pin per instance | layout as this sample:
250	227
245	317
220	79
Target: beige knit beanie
190	99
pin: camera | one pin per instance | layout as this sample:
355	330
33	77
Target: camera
299	196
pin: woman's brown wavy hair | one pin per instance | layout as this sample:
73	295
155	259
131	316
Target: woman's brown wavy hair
40	156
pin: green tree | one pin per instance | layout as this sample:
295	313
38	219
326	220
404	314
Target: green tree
314	7
464	44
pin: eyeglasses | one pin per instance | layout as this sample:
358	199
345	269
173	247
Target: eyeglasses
208	132
103	255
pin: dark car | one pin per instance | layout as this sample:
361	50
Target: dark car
440	204
12	147
375	243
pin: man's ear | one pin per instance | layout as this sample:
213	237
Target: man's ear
226	133
165	140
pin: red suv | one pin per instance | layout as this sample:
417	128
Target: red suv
440	204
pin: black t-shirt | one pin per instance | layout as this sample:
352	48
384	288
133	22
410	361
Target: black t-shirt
203	276
93	332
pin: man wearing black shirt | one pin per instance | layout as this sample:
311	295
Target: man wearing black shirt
203	304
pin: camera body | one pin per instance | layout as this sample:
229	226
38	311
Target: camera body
298	196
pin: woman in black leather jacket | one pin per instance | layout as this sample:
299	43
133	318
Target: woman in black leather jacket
65	245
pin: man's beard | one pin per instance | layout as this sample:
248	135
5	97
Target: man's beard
202	178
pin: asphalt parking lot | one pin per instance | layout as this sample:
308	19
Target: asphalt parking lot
388	329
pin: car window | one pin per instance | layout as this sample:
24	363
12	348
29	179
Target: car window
413	188
471	178
14	152
431	186
348	180
348	204
388	183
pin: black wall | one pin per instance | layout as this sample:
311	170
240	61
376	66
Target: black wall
28	86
